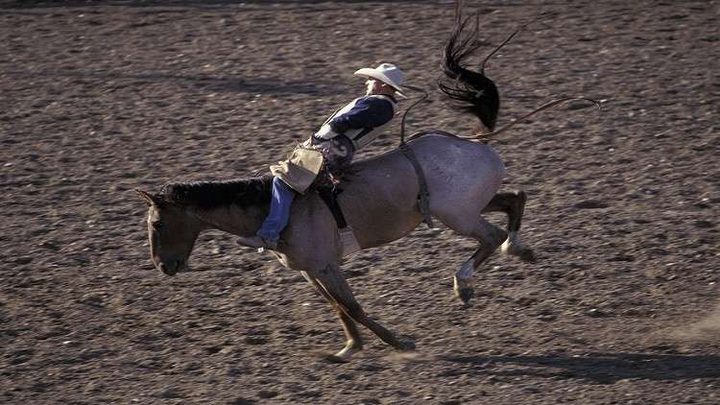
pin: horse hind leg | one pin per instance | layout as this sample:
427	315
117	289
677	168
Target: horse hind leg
490	238
513	204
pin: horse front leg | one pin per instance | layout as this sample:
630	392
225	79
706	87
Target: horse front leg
354	340
335	286
513	204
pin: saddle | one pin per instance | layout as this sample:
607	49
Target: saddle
306	170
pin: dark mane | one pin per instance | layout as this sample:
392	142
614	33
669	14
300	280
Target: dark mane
253	192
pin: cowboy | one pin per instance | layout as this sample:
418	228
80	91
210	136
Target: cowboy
350	128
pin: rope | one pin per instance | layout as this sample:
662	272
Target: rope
515	121
420	100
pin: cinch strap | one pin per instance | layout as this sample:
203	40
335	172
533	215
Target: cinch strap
329	196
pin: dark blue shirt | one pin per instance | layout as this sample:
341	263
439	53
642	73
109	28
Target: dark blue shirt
368	112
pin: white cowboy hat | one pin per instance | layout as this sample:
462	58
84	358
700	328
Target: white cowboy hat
386	73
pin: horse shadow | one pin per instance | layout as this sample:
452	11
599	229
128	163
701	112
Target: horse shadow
599	368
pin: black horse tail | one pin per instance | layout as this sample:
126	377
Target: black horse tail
472	92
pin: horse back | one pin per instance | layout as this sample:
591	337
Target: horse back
379	198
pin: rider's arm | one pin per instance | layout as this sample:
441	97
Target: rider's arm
368	112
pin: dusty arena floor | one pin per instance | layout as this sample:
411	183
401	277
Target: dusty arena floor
98	98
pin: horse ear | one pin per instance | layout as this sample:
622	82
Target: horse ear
149	198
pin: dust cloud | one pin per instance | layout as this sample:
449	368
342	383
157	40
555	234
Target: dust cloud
706	329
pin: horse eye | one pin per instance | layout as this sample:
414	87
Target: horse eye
158	225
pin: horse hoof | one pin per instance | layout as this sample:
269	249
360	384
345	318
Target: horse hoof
516	249
465	294
405	346
335	359
463	288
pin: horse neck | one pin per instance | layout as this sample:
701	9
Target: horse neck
235	220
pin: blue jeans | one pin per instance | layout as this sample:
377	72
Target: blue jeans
277	219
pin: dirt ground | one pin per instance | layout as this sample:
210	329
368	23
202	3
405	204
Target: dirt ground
98	98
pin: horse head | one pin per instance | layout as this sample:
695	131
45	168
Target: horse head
172	233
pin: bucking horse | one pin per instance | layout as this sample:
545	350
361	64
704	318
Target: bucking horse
379	200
